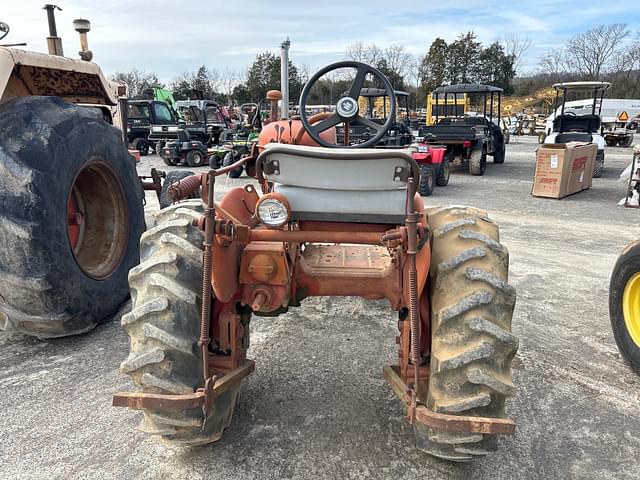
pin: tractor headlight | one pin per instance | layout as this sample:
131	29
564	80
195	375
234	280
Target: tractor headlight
273	210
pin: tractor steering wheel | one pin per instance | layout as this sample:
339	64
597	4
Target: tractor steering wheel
347	110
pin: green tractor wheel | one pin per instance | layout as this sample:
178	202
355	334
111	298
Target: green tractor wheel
624	304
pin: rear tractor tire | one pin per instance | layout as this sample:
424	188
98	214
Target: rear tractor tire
472	345
71	215
164	327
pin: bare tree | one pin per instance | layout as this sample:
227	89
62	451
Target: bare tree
360	52
516	47
213	78
228	81
399	59
554	63
137	81
592	53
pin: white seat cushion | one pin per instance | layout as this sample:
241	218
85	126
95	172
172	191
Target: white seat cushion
349	185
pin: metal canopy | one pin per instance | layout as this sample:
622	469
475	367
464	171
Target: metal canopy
201	104
582	86
380	92
467	88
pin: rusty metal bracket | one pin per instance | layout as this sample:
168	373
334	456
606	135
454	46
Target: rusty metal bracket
448	423
197	399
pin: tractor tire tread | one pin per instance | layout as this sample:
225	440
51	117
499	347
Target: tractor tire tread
472	344
163	327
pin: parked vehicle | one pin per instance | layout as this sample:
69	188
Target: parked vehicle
433	164
204	120
236	145
184	151
469	138
150	124
582	125
616	118
330	220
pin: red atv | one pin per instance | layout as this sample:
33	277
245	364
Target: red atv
434	166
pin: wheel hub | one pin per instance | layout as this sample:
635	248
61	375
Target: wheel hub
631	307
97	220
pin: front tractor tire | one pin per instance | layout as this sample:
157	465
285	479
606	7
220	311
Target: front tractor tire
164	327
71	215
624	304
472	344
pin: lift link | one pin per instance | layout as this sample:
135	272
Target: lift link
411	223
205	316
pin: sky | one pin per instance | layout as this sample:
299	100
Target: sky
171	37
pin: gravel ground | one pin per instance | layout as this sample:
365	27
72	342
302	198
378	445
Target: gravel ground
317	407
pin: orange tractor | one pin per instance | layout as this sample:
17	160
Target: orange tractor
336	221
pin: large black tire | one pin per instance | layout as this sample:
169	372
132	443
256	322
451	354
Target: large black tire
195	158
53	154
229	159
173	177
626	141
443	173
472	345
142	145
610	141
598	164
478	161
626	324
427	179
542	137
164	327
498	156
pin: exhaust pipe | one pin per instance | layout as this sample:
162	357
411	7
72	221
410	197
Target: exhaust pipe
83	26
284	78
54	42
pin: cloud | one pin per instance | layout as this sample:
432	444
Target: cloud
172	37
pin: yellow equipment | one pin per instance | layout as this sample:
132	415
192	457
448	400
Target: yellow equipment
544	97
449	106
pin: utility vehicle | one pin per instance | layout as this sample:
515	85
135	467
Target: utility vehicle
469	138
322	219
150	124
204	120
570	126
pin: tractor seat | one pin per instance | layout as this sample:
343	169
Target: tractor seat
341	185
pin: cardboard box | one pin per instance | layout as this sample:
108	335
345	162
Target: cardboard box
563	169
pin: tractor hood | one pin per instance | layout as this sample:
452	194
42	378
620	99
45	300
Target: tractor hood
30	73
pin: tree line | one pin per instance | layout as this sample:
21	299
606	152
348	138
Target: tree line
605	52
